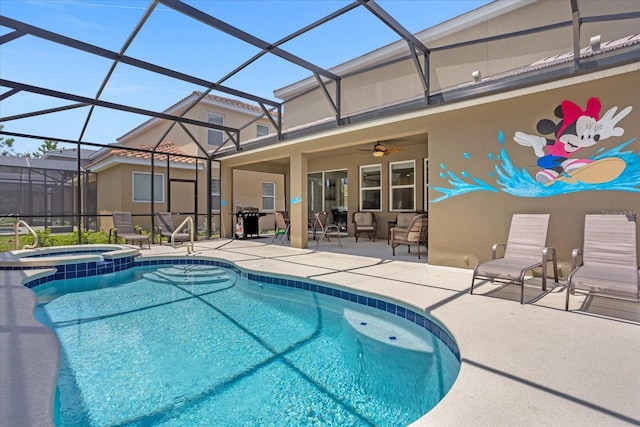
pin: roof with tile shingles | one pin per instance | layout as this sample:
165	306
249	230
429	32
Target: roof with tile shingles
176	155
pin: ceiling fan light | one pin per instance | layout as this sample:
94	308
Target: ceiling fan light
379	148
378	153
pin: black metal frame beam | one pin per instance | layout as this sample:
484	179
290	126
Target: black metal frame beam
110	105
237	33
414	44
105	53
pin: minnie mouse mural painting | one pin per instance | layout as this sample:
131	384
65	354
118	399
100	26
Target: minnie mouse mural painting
576	129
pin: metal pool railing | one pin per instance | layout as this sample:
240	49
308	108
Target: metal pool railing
16	229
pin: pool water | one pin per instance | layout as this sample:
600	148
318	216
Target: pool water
203	346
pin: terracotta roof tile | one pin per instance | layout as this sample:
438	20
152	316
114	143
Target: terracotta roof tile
175	153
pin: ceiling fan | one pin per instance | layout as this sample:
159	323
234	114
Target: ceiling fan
380	150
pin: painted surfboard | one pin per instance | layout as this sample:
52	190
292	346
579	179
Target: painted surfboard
598	172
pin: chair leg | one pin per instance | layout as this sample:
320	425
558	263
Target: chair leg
522	287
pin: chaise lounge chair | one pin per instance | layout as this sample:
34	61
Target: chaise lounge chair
167	229
525	250
608	264
414	234
123	228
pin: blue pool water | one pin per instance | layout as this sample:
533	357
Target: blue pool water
204	346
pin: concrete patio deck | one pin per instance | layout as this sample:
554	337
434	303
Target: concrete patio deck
526	365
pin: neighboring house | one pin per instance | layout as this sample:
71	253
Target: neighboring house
180	186
495	127
42	191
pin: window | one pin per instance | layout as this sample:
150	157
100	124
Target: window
268	196
402	183
426	185
263	130
215	194
370	188
215	136
142	187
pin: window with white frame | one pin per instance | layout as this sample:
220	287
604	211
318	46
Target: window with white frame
371	188
215	136
402	186
426	185
141	182
268	196
263	130
215	194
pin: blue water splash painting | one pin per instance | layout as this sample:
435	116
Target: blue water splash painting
506	177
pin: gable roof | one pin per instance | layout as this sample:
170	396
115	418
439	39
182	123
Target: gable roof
187	101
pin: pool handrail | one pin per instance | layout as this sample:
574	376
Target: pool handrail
16	228
190	248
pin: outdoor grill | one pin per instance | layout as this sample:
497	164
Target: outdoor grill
247	222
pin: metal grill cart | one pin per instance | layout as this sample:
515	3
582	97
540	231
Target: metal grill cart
247	222
340	217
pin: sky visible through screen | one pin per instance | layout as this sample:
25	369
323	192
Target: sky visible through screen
177	42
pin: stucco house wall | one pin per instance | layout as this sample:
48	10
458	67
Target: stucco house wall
463	228
115	193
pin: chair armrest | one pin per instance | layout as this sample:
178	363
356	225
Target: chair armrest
576	258
545	253
494	249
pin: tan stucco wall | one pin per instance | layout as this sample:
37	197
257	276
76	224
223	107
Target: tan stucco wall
249	189
115	193
463	228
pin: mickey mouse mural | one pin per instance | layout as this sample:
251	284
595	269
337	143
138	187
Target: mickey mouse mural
562	166
558	157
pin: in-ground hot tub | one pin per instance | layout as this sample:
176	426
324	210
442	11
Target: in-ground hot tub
71	261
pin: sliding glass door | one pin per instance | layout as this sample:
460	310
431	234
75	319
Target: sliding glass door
329	191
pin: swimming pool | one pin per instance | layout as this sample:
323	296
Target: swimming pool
200	344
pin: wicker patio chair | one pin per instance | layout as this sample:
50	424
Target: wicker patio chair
364	222
415	234
525	250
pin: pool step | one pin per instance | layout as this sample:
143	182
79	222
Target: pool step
188	274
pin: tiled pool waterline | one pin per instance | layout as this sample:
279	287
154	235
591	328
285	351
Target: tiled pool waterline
526	365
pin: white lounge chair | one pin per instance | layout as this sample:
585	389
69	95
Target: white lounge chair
525	250
607	266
